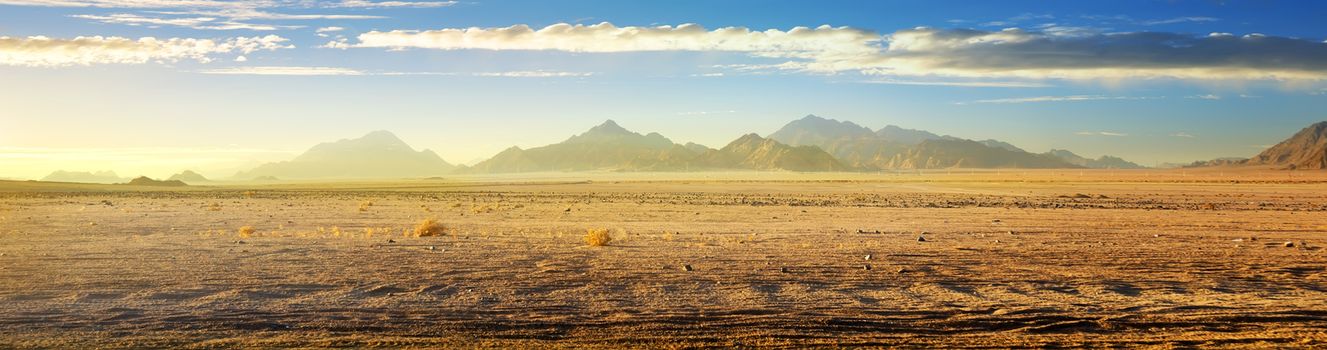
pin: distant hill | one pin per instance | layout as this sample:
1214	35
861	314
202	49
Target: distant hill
907	136
816	131
1001	144
100	177
893	147
379	154
1307	149
853	144
1103	162
607	146
937	154
190	177
754	152
147	181
610	147
1226	161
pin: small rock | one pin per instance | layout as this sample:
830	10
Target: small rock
868	257
866	267
391	241
783	269
1290	244
1156	236
1011	233
239	242
921	238
902	270
1237	240
432	248
995	221
687	268
568	210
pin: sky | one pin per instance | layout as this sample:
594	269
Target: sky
152	87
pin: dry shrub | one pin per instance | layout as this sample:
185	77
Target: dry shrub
245	232
597	237
214	206
364	206
430	228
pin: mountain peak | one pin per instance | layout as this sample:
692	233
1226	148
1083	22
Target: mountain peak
814	130
1307	149
381	137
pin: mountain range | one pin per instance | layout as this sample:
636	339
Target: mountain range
100	177
809	144
379	154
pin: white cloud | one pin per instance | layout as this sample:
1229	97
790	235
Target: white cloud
994	84
1054	52
241	58
329	29
1070	98
1183	134
340	71
40	51
300	71
205	23
1100	133
1204	97
819	44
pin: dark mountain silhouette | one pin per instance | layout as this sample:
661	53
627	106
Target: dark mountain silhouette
1307	149
754	152
936	154
379	154
100	177
147	181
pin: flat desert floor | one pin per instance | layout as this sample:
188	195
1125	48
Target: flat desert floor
1009	259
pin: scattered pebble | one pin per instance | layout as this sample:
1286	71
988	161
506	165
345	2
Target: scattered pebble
391	241
432	248
783	269
921	238
866	267
902	270
1290	244
687	267
868	257
995	221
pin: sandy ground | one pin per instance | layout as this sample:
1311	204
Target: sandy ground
1033	261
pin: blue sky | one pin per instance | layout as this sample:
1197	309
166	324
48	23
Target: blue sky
1151	81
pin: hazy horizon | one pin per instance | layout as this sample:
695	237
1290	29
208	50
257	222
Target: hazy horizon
225	86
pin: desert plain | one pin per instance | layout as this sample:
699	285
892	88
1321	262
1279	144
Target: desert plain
952	259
